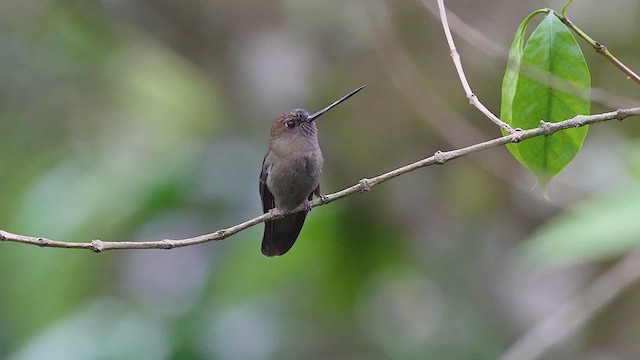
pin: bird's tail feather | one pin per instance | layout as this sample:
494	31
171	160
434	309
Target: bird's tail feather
280	235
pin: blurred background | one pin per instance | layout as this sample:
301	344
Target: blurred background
142	120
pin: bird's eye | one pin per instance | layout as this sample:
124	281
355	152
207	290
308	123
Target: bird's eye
291	124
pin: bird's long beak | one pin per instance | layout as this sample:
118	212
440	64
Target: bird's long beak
335	103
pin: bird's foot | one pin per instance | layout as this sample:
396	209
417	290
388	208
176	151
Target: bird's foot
282	212
307	206
286	212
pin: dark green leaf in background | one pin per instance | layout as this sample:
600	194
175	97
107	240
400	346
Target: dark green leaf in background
552	83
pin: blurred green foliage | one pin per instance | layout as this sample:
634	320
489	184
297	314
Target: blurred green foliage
600	229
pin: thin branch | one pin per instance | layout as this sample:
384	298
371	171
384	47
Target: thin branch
564	8
473	99
406	75
571	316
440	157
423	96
488	46
600	48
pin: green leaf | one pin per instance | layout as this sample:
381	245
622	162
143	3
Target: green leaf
604	228
552	84
510	79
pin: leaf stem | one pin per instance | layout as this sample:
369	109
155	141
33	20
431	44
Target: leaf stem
600	48
564	8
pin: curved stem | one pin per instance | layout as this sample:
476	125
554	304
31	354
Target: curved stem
473	99
564	8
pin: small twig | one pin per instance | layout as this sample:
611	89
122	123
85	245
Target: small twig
564	8
488	46
599	47
473	99
423	96
571	316
468	33
364	185
407	76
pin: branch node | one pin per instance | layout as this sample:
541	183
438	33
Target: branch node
168	244
365	184
547	128
472	98
600	48
621	114
97	245
440	157
516	135
42	242
220	233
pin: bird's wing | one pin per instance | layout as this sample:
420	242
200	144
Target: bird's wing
266	195
279	235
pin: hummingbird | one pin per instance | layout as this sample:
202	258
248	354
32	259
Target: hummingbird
290	175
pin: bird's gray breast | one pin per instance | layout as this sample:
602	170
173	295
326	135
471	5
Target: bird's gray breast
291	179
